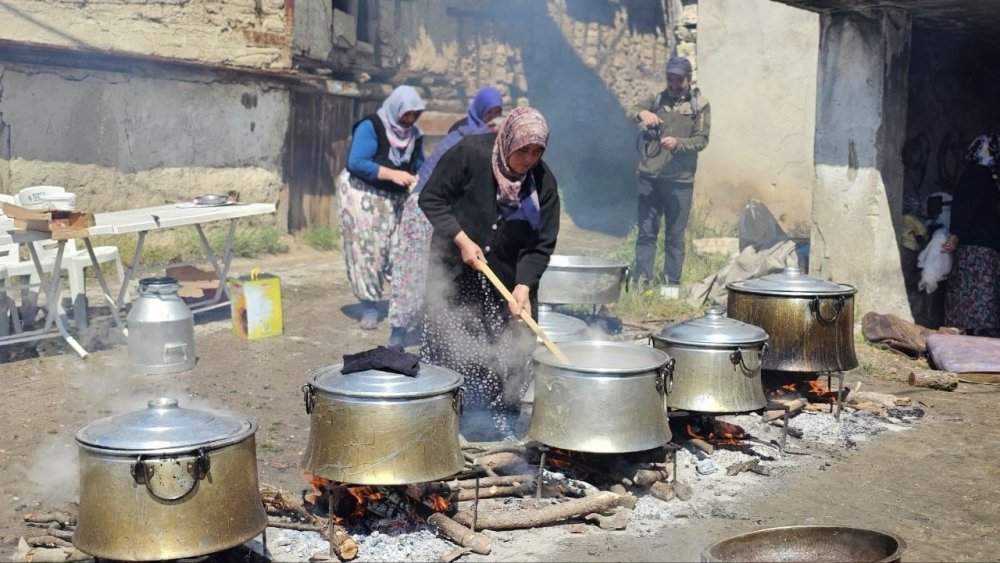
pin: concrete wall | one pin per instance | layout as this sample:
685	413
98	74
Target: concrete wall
860	130
120	141
757	67
233	33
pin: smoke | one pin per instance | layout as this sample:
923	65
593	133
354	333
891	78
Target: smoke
102	387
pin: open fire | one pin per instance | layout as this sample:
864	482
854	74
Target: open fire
376	507
714	431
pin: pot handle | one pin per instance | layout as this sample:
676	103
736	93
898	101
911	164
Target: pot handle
838	305
171	482
738	359
665	378
458	401
308	397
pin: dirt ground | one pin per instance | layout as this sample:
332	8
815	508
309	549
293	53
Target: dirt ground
938	485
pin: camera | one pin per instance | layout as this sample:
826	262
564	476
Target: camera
651	134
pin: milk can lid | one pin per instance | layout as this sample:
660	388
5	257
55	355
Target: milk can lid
791	282
165	284
165	427
713	329
430	380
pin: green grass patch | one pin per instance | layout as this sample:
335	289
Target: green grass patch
160	247
321	238
645	303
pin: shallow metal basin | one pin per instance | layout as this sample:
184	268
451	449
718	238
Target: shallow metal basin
808	543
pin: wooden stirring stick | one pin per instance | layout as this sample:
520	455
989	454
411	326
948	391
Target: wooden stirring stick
525	314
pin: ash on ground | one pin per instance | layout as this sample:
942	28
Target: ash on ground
715	492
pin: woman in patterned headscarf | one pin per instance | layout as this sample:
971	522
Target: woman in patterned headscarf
973	299
410	252
386	152
490	199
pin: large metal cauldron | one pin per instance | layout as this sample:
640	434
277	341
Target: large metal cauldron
810	322
609	399
160	329
582	279
808	543
382	428
716	363
167	483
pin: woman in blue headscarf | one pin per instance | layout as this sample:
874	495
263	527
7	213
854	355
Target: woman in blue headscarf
386	152
411	250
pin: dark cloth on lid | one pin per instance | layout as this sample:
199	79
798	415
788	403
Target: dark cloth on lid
384	359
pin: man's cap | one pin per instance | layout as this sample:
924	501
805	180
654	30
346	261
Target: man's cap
679	65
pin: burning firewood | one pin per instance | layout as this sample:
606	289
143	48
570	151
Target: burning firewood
558	484
460	534
298	526
794	407
601	502
502	481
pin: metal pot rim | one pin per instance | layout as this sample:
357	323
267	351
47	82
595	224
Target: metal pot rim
545	357
895	556
192	449
708	345
449	382
164	428
847	290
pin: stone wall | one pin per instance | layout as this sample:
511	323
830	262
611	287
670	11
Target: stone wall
121	141
245	33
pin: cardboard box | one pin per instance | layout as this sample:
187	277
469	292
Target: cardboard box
61	225
195	283
255	300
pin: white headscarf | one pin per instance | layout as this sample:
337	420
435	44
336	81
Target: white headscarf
402	138
984	150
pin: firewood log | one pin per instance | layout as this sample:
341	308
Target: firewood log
342	544
521	519
503	481
932	379
496	492
794	407
702	445
460	534
662	491
647	477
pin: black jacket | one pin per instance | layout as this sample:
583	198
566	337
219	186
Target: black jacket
382	154
461	195
974	209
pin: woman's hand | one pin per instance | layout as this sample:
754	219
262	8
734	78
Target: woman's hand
398	177
950	244
471	253
521	301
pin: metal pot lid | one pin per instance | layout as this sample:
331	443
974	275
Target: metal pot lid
562	261
713	329
164	427
791	281
430	380
560	327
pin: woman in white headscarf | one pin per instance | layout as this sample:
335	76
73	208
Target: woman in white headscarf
491	198
386	151
973	298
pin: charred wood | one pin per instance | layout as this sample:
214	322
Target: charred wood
295	526
64	518
702	445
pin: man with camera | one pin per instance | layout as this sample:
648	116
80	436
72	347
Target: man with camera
675	125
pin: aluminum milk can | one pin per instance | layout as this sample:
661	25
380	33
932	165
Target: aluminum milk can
160	329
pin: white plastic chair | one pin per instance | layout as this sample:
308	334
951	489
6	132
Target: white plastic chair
75	261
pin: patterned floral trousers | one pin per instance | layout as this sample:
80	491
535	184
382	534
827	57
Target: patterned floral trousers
409	258
368	220
973	298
